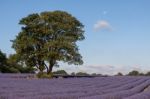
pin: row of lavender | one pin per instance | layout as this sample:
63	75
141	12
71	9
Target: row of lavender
13	75
74	88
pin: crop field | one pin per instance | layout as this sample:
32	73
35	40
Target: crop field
18	86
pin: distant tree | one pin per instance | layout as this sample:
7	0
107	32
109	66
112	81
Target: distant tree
73	73
62	72
82	74
148	73
47	38
100	75
119	74
93	74
134	73
141	74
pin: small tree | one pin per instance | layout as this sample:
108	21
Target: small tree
134	73
73	73
119	74
47	38
62	72
93	74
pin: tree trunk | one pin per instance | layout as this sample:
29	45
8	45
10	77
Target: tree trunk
51	64
49	70
45	66
41	66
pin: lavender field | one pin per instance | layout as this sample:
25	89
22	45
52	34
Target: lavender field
19	86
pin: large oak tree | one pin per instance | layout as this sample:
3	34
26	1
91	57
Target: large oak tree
47	38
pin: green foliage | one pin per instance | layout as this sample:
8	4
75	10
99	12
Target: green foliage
119	74
47	38
3	60
82	74
12	64
148	73
62	72
13	70
44	75
73	73
8	69
134	73
142	74
93	74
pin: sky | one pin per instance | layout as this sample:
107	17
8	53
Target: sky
117	32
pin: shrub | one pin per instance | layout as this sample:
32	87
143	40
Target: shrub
44	75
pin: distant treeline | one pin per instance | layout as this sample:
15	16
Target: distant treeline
132	73
12	64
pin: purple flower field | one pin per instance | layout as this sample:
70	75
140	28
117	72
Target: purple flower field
17	86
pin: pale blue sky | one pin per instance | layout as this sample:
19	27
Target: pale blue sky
120	40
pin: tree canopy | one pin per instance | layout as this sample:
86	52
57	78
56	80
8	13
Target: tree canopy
47	38
3	61
17	66
62	72
134	73
13	64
